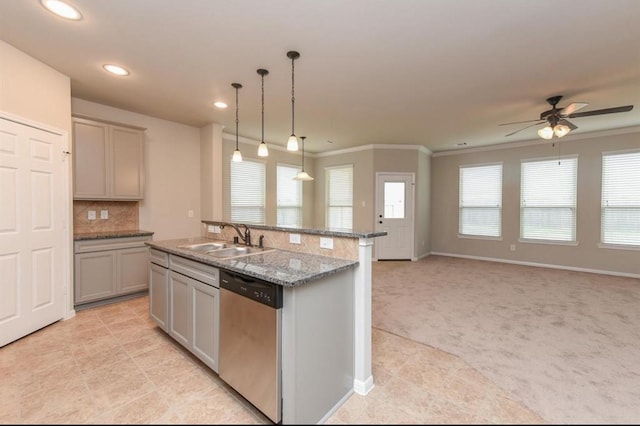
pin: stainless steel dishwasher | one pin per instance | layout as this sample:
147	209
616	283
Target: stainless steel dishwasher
250	341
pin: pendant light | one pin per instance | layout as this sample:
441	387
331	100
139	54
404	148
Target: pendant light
237	156
303	175
292	143
263	151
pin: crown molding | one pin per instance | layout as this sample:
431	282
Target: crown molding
508	145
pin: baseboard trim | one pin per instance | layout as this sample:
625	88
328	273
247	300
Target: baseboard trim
363	387
539	265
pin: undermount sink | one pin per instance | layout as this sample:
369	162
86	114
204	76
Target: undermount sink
223	250
237	251
204	247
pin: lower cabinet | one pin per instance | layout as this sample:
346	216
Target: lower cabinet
159	295
106	268
184	302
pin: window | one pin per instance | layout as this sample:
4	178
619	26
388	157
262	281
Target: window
621	199
289	195
548	199
339	197
247	192
480	201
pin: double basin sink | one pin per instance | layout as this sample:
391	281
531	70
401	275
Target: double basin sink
223	250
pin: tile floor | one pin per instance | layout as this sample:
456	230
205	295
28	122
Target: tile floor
112	365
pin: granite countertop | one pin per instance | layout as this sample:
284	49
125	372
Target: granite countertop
110	234
284	267
326	231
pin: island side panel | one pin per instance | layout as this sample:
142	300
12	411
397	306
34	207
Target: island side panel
317	348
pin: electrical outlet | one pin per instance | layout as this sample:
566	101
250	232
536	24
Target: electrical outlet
326	243
104	214
190	213
91	215
512	247
294	238
214	228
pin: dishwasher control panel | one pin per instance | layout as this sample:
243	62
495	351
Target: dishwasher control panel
264	292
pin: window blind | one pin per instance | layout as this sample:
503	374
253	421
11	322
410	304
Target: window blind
480	200
289	196
247	192
548	199
621	199
339	197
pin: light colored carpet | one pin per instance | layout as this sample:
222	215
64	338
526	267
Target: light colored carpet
566	344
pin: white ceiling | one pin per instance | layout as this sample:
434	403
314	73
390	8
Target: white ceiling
427	72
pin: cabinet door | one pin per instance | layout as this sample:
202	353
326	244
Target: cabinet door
179	309
127	158
133	269
90	160
205	304
95	275
159	295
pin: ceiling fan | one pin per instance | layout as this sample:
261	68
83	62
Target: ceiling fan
556	118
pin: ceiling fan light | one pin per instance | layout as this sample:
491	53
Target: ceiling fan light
561	130
237	156
546	132
303	176
263	151
292	143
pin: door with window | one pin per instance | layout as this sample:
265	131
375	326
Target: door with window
394	215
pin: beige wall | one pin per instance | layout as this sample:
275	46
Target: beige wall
586	255
211	172
32	90
172	170
423	206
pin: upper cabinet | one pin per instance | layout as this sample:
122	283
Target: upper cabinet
108	160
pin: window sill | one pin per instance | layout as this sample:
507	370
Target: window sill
618	246
480	237
549	242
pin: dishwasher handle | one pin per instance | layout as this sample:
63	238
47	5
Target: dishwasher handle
264	292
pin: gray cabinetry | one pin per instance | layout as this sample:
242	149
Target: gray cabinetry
184	301
159	288
107	268
108	161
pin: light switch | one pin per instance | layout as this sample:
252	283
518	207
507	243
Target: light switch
104	214
91	215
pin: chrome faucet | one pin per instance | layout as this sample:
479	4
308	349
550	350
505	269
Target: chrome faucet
246	237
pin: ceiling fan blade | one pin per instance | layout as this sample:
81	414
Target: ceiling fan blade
602	111
568	124
518	122
531	125
571	108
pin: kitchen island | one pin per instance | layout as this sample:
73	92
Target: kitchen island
324	344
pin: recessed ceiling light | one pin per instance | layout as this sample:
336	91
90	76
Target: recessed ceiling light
220	104
62	9
115	69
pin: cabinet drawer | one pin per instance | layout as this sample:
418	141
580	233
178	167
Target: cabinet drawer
99	244
196	270
159	257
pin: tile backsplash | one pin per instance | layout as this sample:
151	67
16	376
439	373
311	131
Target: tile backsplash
121	216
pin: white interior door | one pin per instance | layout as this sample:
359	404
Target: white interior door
32	234
394	214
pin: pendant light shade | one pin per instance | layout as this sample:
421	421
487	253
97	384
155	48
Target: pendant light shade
304	176
237	155
292	143
263	151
